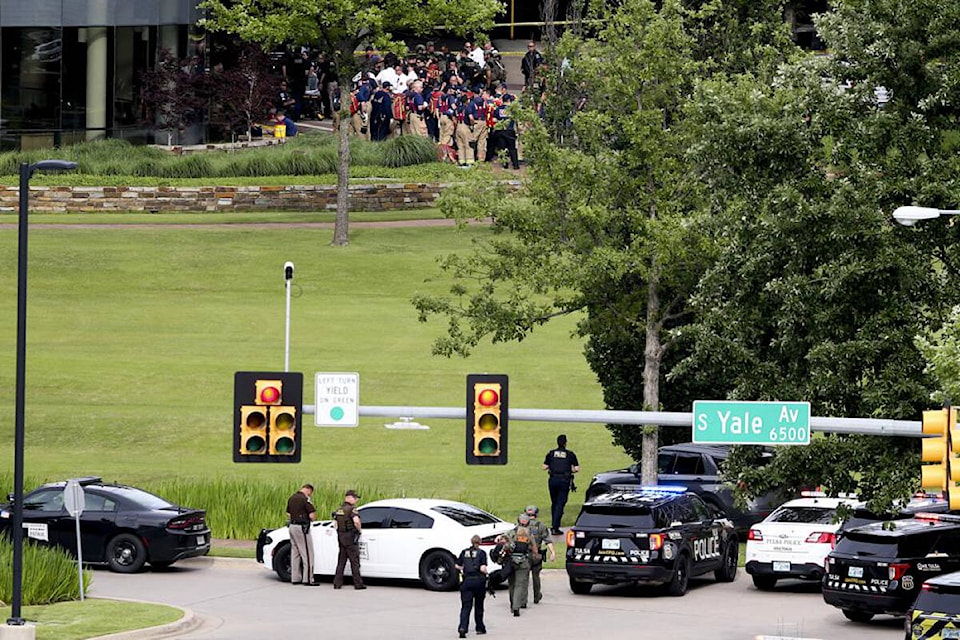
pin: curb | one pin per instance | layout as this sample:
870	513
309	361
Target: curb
188	622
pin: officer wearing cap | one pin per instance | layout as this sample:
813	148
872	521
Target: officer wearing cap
561	464
348	538
541	537
472	565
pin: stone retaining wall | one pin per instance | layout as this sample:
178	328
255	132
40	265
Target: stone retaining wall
365	197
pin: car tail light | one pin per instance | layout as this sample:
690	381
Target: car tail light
928	587
897	570
822	537
755	534
570	538
656	541
489	541
187	523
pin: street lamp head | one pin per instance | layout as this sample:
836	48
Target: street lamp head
909	216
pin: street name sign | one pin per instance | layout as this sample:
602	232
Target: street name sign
765	423
337	400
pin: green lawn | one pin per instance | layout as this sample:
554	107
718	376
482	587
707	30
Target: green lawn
93	617
134	335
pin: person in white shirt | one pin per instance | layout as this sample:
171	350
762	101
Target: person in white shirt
389	74
476	53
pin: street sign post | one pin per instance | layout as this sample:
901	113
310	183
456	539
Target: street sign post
764	423
73	501
337	400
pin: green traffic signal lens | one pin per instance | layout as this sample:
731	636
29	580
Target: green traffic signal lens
488	422
254	444
488	446
284	445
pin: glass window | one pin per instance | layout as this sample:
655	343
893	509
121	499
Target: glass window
466	514
804	515
96	502
700	509
373	517
688	464
616	518
45	501
665	462
406	519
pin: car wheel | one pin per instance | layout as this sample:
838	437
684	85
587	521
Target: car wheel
580	588
681	576
764	583
281	562
731	558
857	616
126	554
437	571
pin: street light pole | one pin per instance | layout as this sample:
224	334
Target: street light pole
26	171
909	216
287	276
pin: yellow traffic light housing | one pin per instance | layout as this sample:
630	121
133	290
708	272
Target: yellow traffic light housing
487	416
942	473
267	416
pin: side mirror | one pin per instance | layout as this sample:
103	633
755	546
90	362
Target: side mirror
11	496
635	469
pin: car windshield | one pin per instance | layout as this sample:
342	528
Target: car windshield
937	601
143	498
804	515
466	515
616	517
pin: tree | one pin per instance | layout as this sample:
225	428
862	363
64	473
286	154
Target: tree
817	293
340	27
173	94
242	92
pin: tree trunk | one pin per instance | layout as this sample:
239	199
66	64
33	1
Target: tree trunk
651	380
341	227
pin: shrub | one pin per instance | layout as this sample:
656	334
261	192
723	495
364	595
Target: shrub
49	574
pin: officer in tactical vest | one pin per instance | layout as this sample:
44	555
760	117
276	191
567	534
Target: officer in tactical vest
472	565
541	537
522	551
348	537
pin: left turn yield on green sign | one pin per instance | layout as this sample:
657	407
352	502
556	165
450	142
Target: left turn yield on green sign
337	400
762	423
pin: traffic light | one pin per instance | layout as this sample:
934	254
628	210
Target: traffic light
944	472
487	417
267	416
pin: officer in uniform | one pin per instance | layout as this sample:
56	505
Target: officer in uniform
348	537
472	565
521	547
541	537
301	512
561	463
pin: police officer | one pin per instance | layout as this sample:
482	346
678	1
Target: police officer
541	537
301	512
561	463
472	565
521	548
348	537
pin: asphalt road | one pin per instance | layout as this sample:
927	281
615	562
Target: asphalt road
239	600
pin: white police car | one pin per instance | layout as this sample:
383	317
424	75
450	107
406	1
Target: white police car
405	538
793	541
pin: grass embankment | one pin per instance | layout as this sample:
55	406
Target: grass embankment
134	335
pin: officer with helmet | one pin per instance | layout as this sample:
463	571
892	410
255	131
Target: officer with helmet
472	565
540	533
523	551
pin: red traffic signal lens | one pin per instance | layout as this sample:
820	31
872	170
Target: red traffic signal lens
269	395
488	398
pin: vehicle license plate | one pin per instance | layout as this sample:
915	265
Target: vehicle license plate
781	566
950	633
200	540
855	572
610	544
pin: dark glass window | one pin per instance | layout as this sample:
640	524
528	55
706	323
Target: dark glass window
466	515
805	515
373	517
406	519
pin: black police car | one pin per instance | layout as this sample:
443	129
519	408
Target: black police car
120	526
936	613
880	567
653	535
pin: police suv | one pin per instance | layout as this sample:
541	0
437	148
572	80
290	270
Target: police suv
880	567
936	613
657	535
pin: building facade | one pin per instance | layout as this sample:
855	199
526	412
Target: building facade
70	69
